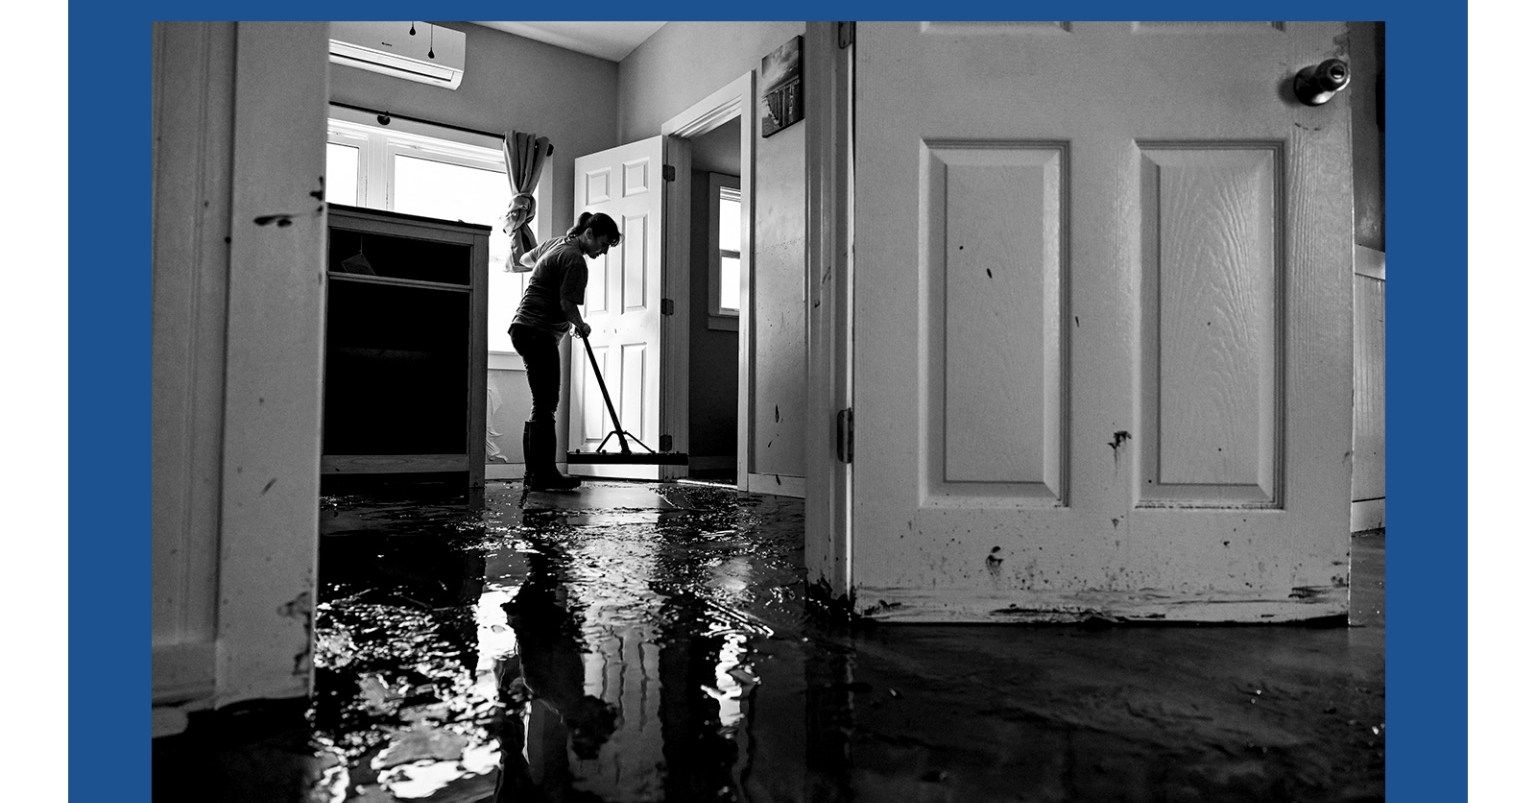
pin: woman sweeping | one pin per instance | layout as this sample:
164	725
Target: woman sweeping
549	309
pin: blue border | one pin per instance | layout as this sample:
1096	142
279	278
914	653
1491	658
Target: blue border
109	572
1427	403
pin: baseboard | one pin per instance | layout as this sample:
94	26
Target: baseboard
504	471
776	485
1367	514
166	720
182	682
182	672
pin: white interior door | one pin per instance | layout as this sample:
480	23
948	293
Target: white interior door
1102	323
624	306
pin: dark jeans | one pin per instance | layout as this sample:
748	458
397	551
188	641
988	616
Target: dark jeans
541	356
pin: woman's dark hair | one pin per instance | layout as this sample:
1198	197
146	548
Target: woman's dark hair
599	223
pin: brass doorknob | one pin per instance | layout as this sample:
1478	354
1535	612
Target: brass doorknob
1318	84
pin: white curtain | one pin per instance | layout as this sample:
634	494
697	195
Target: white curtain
525	155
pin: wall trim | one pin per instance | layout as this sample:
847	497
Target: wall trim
829	262
504	471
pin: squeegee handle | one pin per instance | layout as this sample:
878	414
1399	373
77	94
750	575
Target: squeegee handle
603	386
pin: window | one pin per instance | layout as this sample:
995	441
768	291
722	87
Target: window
419	169
724	251
434	171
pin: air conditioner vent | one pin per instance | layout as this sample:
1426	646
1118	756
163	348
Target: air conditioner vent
415	51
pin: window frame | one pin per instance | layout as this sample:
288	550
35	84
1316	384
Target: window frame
721	318
378	145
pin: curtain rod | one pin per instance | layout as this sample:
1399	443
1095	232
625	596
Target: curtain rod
389	115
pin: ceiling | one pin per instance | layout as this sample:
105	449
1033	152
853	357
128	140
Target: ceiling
606	40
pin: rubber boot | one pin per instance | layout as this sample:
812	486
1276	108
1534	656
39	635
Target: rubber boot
542	448
528	459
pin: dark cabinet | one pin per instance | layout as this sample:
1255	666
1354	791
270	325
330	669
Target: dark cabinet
405	346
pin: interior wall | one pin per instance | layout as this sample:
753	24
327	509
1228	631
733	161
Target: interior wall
685	61
510	83
678	66
712	359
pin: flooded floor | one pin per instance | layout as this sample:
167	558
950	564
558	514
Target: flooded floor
651	641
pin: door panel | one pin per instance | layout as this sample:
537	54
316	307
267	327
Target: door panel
623	304
594	416
995	392
1115	258
1211	245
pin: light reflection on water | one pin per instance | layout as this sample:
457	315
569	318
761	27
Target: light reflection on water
536	650
598	638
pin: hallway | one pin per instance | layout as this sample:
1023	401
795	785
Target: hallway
652	641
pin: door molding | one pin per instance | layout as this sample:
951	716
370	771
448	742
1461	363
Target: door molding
829	308
716	109
268	531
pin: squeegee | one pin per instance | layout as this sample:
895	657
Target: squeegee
625	455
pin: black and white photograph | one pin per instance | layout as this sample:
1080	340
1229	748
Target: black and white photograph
782	105
529	425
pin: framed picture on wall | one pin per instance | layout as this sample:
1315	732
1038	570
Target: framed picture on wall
782	105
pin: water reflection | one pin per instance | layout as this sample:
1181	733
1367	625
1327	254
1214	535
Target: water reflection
557	654
572	647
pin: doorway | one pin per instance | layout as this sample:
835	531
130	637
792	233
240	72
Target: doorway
715	302
706	374
651	375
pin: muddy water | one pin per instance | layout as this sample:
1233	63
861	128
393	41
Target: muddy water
641	642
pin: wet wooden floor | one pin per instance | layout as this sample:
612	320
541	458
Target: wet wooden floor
652	641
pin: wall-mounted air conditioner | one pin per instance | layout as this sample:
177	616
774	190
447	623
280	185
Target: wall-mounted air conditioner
415	51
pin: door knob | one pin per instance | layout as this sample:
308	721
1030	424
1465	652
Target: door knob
1318	84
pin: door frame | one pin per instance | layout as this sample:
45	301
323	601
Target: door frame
829	105
733	100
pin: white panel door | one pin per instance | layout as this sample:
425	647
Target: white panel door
624	291
1102	323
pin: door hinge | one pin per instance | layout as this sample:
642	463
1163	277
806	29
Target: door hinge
844	35
666	306
666	443
668	173
845	435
